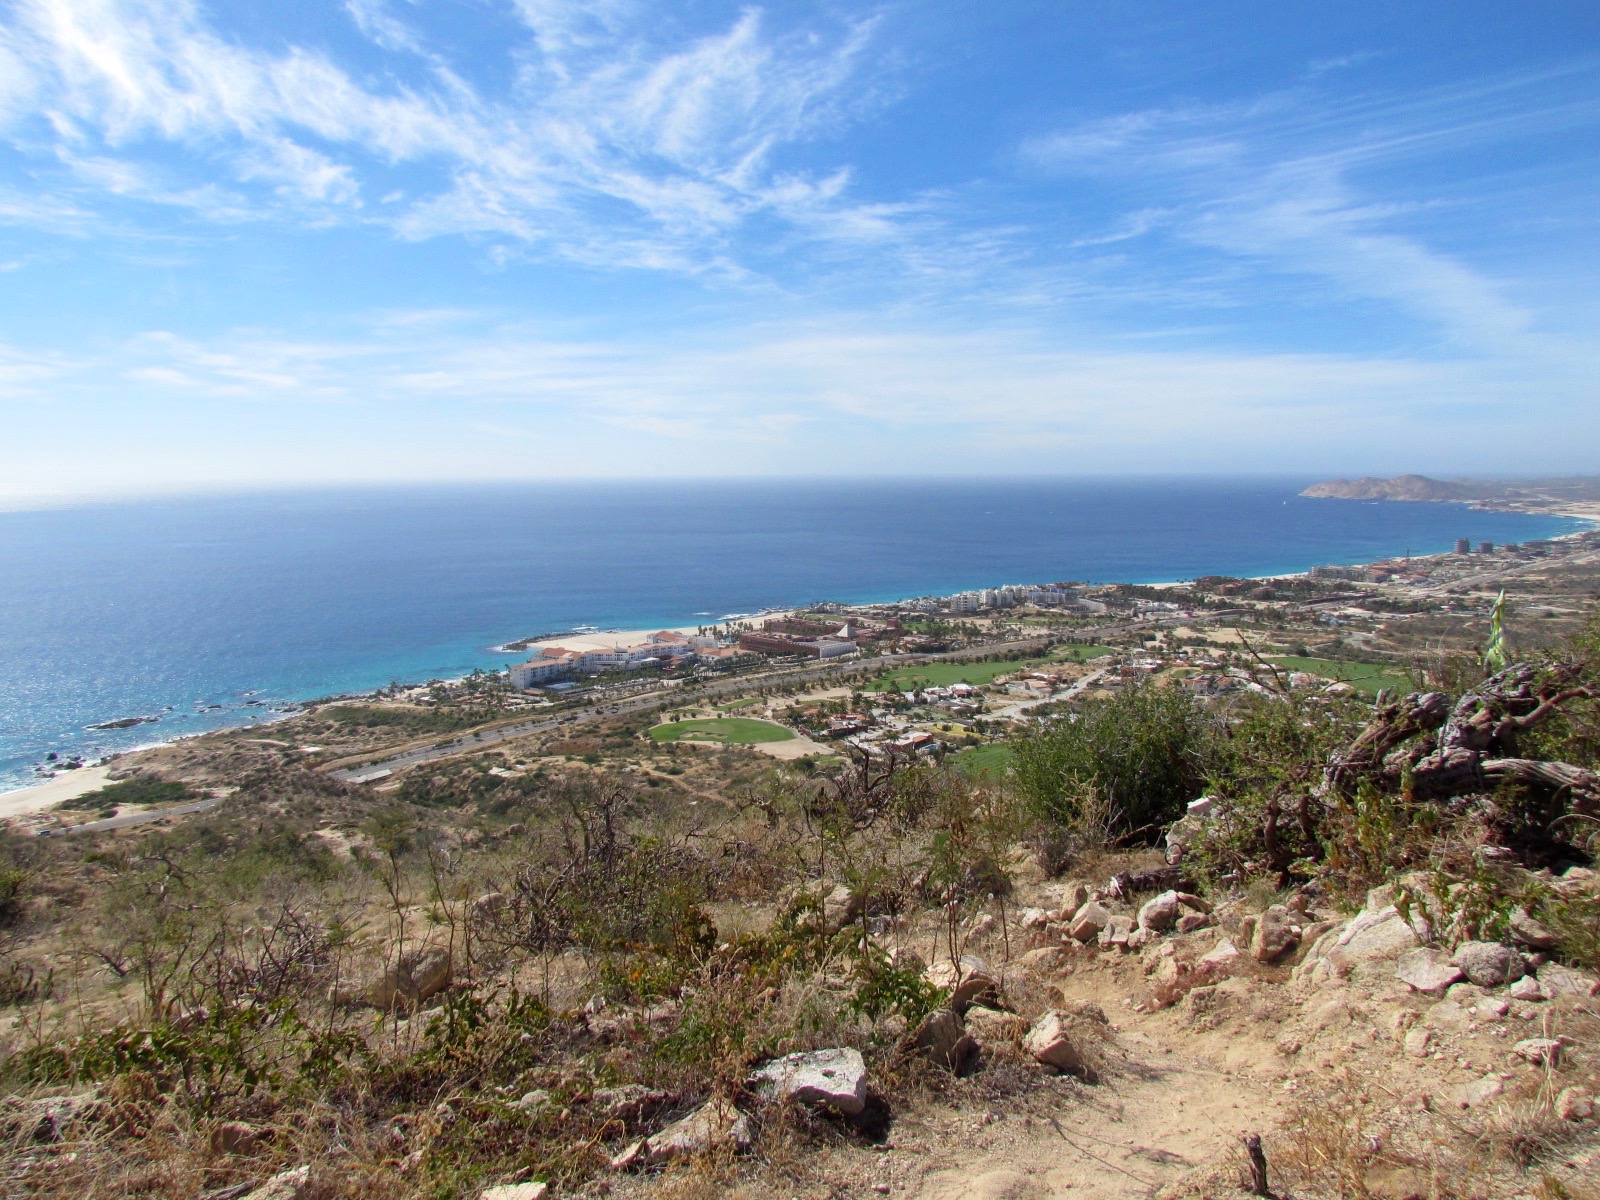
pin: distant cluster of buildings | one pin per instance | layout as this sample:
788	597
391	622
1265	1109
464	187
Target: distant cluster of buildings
666	648
809	637
1016	595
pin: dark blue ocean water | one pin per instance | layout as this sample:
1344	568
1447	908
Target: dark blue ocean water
164	607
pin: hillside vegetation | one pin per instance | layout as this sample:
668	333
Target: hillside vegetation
1373	943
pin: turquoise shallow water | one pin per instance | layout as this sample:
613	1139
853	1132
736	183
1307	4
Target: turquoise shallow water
168	608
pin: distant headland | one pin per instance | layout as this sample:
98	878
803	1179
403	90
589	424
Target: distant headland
1577	495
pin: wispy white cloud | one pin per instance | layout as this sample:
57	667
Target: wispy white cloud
611	143
1286	180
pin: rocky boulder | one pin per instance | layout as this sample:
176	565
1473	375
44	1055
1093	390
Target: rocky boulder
1276	933
418	974
286	1185
1489	964
1088	921
833	1080
1060	1040
968	980
516	1191
1372	939
1427	970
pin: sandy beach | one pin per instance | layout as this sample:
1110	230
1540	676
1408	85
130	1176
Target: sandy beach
68	785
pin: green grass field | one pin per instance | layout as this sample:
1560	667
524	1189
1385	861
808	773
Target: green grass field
980	762
1367	678
729	731
944	674
738	704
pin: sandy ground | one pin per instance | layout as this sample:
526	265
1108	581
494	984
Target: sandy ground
632	637
796	747
66	786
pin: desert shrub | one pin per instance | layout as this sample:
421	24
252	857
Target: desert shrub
140	790
1142	752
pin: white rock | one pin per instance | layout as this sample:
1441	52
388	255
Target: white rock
1418	1042
1427	969
714	1126
286	1185
515	1191
1557	980
834	1079
1221	955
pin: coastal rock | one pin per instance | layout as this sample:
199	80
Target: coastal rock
1427	970
830	1079
1488	964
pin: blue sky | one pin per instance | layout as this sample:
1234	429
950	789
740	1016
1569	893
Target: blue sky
251	244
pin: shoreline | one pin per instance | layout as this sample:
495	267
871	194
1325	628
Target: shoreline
1588	514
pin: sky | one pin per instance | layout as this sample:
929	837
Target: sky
308	242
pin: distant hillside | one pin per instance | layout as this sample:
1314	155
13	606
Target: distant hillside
1401	487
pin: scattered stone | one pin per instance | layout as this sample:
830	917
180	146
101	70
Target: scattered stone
1036	918
1087	922
1478	1092
1074	895
529	1101
1557	980
286	1185
1488	964
1051	1042
968	980
944	1039
830	1079
1190	922
1531	933
1527	988
515	1191
1574	1104
981	924
1418	1041
1221	956
1540	1052
1427	969
1119	933
1275	934
714	1126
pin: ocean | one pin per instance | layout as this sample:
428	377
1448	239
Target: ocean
207	612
